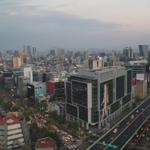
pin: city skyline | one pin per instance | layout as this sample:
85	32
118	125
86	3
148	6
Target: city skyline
105	24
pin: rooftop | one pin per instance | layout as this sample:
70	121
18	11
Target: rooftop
45	143
11	118
92	74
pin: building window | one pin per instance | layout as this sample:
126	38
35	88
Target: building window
83	113
129	78
79	93
115	107
120	83
68	92
126	99
95	115
72	110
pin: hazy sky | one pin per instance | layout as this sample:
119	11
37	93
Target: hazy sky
111	24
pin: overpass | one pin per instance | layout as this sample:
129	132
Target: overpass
126	128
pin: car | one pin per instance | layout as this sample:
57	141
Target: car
132	117
115	130
74	146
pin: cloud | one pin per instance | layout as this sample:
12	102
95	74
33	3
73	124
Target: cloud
28	23
65	21
30	14
50	29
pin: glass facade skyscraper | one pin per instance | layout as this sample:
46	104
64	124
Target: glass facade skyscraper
95	98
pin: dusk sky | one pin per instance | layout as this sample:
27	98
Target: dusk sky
108	24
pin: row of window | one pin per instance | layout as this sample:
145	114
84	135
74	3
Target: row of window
79	93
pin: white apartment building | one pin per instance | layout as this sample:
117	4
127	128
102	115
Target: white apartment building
28	73
13	131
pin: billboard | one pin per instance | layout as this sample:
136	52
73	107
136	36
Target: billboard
105	102
106	98
140	77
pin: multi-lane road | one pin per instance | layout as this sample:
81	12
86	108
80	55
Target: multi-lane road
126	128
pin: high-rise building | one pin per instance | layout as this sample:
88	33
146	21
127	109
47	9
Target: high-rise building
14	131
23	57
28	73
29	51
22	85
128	52
16	62
52	52
96	98
144	50
56	90
34	52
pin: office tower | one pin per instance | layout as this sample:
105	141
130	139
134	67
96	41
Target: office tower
56	90
22	85
144	50
97	98
34	52
23	57
29	50
17	62
28	73
52	52
128	52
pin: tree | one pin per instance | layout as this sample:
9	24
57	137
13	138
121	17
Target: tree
37	133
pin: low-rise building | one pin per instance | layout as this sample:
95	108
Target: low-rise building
13	131
57	107
45	144
96	63
140	76
36	90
